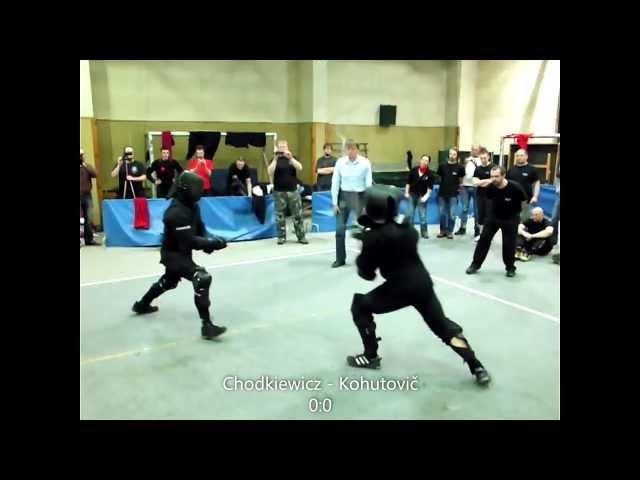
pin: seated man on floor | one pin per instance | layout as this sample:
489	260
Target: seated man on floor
534	236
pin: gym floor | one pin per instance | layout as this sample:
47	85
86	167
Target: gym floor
288	317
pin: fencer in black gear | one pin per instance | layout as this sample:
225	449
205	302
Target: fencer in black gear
183	233
389	243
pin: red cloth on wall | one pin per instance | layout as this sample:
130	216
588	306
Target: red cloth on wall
167	140
522	139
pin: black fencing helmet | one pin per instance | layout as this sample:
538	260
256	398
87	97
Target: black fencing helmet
382	203
188	187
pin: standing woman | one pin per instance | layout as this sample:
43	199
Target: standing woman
418	190
282	172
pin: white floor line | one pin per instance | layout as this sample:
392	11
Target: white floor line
212	267
480	293
495	299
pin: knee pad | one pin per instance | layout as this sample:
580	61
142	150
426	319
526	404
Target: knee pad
167	284
201	281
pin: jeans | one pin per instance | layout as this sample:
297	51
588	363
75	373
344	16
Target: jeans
447	213
466	195
415	203
555	220
86	205
347	202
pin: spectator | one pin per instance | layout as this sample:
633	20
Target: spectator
202	167
282	173
506	201
451	174
351	177
534	236
87	172
468	192
527	176
555	216
418	190
555	256
131	175
482	179
239	179
163	172
324	169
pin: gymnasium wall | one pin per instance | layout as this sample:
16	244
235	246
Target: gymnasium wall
86	103
197	91
437	107
356	89
133	97
515	96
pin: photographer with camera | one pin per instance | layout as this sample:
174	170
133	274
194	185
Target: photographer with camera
282	173
131	175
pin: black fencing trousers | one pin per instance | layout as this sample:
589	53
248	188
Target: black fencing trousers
394	295
197	275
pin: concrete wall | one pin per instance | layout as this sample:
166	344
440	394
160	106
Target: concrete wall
198	91
515	96
356	89
86	103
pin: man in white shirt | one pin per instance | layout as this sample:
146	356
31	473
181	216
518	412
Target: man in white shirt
351	177
468	191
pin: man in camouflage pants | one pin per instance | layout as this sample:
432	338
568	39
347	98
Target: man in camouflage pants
294	202
282	171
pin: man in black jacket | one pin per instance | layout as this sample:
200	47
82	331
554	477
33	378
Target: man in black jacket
389	243
184	232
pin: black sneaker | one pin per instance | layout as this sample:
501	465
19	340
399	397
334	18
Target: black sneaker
441	235
511	273
140	308
361	361
482	376
472	269
281	241
337	264
461	231
211	331
304	241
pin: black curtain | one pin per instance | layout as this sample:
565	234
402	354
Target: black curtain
244	139
210	141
